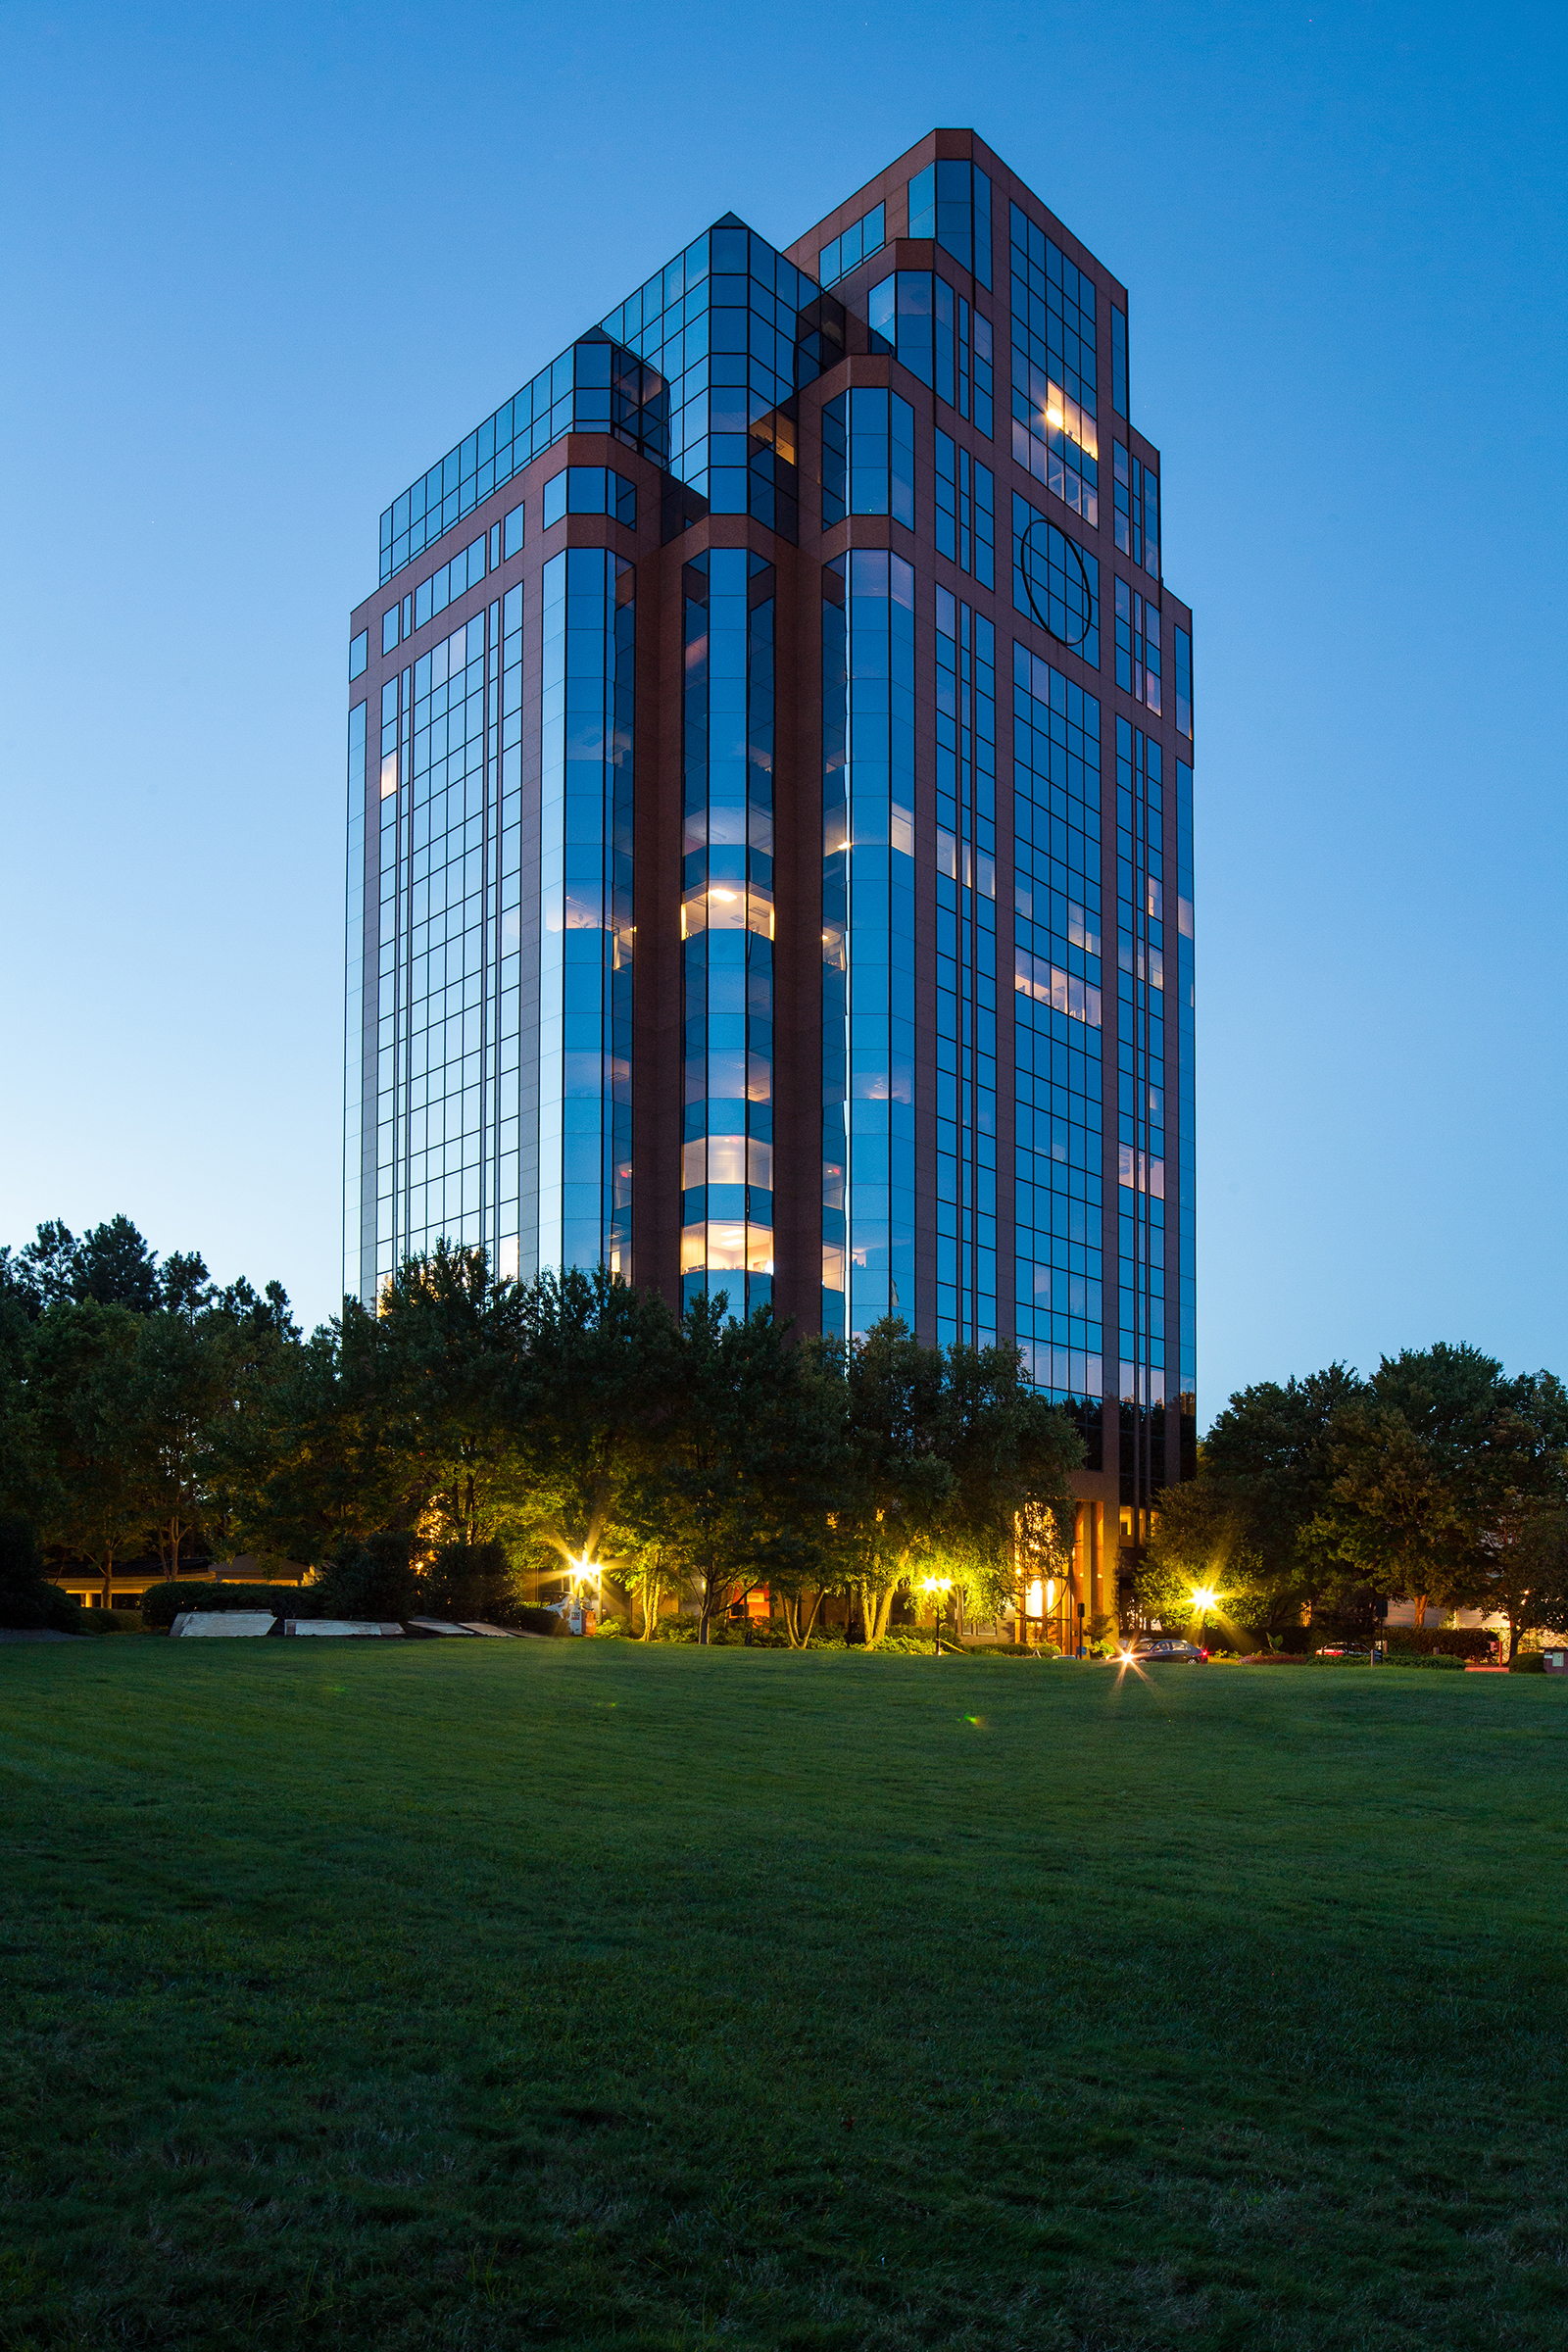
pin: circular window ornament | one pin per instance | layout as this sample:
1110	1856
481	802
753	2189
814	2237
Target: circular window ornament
1034	563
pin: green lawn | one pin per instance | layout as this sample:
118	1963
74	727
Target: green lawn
492	1994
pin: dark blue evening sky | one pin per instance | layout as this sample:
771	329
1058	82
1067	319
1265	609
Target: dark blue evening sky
262	266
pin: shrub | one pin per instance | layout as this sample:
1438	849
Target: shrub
28	1601
1529	1661
1439	1658
1455	1642
539	1621
375	1581
472	1580
160	1604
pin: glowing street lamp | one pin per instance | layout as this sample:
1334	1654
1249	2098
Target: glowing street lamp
581	1573
1205	1598
940	1585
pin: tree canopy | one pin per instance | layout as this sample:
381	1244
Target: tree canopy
486	1436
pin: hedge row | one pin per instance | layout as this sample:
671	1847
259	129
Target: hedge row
1455	1642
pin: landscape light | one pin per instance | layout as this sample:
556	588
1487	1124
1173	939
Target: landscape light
1205	1598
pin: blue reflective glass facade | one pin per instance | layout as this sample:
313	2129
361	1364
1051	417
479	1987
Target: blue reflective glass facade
869	792
588	714
746	735
727	926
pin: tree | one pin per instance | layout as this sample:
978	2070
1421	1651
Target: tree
734	1494
1248	1522
471	1581
1417	1476
372	1581
28	1599
894	1481
86	1411
1009	1509
1203	1538
182	1385
1529	1584
591	1386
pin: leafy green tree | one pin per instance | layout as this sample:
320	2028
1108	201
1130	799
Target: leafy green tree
733	1494
894	1483
28	1601
1010	1511
593	1382
1247	1524
1417	1479
468	1581
86	1409
323	1465
375	1580
1529	1580
110	1265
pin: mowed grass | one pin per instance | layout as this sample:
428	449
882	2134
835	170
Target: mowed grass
495	1994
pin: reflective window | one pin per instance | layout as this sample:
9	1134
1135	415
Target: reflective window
514	534
727	930
933	332
1054	386
952	203
594	387
590	490
1138	648
867	941
965	518
697	372
1141	1078
868	457
1184	684
359	655
1057	1028
585	886
1187	1160
967	974
1136	510
359	1276
1118	361
432	596
1055	581
853	246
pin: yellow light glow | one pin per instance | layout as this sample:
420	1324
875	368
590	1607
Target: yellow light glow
1053	415
1204	1597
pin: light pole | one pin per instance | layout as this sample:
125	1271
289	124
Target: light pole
1203	1598
938	1584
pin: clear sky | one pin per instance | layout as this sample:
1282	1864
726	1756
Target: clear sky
260	266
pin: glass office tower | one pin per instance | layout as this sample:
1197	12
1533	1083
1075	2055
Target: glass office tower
769	816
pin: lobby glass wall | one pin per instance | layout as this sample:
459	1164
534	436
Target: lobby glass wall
726	1241
585	954
867	941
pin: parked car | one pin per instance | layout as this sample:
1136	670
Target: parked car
1164	1649
1342	1649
